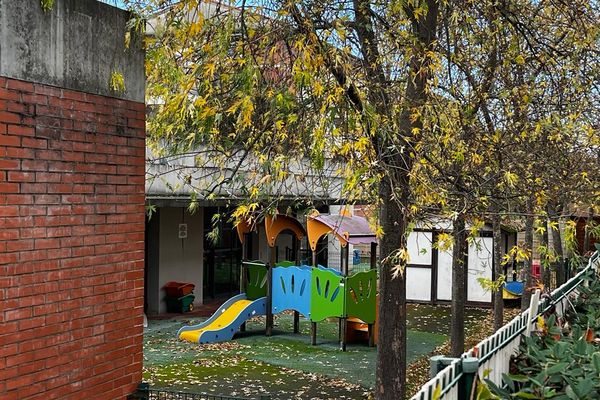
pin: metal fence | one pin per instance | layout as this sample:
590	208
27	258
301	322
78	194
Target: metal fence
144	392
492	355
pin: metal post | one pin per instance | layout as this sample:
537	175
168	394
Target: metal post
344	328
435	365
297	262
243	272
438	363
269	318
373	255
343	321
469	373
468	367
313	325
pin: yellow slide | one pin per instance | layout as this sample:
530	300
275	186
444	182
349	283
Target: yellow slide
225	322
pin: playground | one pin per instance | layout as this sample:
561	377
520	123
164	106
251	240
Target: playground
315	292
285	365
293	331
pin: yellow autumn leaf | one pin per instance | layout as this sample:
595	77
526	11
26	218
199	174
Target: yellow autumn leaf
510	178
437	393
318	88
196	27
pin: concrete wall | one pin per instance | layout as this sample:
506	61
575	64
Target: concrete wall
76	46
180	259
261	247
71	204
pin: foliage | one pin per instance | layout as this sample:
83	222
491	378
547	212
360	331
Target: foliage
492	285
150	210
563	360
47	5
424	108
214	235
117	82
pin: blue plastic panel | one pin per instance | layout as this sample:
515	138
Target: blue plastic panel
291	290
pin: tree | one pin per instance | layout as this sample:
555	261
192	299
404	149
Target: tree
284	83
270	99
497	121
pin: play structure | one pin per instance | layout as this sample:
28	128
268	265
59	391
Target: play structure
316	292
513	290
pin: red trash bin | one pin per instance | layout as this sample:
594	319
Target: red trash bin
178	289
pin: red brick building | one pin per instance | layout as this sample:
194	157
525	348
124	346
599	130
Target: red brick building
71	203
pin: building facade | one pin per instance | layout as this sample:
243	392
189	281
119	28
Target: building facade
71	202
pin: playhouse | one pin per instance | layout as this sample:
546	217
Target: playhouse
315	291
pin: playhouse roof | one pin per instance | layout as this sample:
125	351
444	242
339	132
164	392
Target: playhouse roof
274	225
347	228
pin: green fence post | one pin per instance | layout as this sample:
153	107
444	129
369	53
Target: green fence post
469	372
435	365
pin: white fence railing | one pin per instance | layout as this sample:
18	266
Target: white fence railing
494	352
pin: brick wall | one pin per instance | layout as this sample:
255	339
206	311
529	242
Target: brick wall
71	243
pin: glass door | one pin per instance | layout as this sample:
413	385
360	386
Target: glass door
222	258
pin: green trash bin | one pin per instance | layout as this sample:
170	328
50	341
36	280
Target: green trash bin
180	304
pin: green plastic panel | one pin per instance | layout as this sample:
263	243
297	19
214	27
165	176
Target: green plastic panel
285	264
361	295
257	280
327	295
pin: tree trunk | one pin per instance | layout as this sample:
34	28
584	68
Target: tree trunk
394	191
497	254
391	349
459	275
557	247
526	298
544	264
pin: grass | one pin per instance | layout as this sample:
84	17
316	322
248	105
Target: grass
284	365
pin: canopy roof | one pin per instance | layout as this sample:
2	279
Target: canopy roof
274	225
347	228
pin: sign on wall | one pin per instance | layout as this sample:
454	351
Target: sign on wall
182	231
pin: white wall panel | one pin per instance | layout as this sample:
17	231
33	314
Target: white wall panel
444	278
420	248
480	266
418	283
